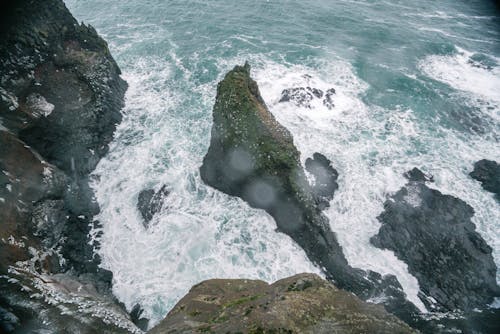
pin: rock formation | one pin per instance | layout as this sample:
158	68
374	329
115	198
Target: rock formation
433	234
488	173
150	202
303	96
252	156
60	99
325	179
303	303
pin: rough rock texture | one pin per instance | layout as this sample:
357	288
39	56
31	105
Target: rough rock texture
488	173
252	156
434	235
60	99
303	303
303	96
325	179
150	202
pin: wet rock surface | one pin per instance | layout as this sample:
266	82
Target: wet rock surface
434	235
325	179
488	173
303	303
150	202
253	157
60	100
303	96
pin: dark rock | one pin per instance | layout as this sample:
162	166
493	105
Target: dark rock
488	173
303	303
60	100
325	179
434	235
150	202
252	156
418	176
328	101
138	319
302	96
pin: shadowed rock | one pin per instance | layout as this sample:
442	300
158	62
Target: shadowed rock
488	173
303	303
325	179
150	202
434	235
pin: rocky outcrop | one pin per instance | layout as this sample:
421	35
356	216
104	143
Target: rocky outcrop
253	157
434	235
488	173
150	202
325	179
60	100
303	96
303	303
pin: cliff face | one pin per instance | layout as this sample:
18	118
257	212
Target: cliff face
60	100
302	303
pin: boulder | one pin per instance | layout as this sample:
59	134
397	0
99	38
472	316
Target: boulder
150	202
303	303
325	179
488	173
434	235
303	96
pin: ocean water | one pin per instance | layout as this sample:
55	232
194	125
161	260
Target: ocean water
418	85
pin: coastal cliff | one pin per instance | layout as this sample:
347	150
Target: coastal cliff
60	100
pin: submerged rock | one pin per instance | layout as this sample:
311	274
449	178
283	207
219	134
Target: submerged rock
303	96
434	235
137	317
303	303
325	179
253	157
488	173
150	202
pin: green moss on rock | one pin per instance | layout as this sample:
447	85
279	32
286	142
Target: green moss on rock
317	306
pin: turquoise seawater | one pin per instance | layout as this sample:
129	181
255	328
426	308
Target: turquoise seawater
418	85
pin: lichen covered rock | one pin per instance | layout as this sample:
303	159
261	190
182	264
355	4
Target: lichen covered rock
303	303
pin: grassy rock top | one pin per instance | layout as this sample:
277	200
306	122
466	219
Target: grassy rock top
303	303
251	155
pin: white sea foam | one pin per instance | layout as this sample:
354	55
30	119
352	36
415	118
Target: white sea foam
200	233
461	72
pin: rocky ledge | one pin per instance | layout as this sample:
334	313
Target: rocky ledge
60	100
303	303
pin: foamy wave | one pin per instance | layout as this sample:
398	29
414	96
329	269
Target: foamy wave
462	72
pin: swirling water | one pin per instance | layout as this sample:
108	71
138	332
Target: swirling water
418	84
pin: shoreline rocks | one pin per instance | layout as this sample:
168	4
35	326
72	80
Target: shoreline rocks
434	235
